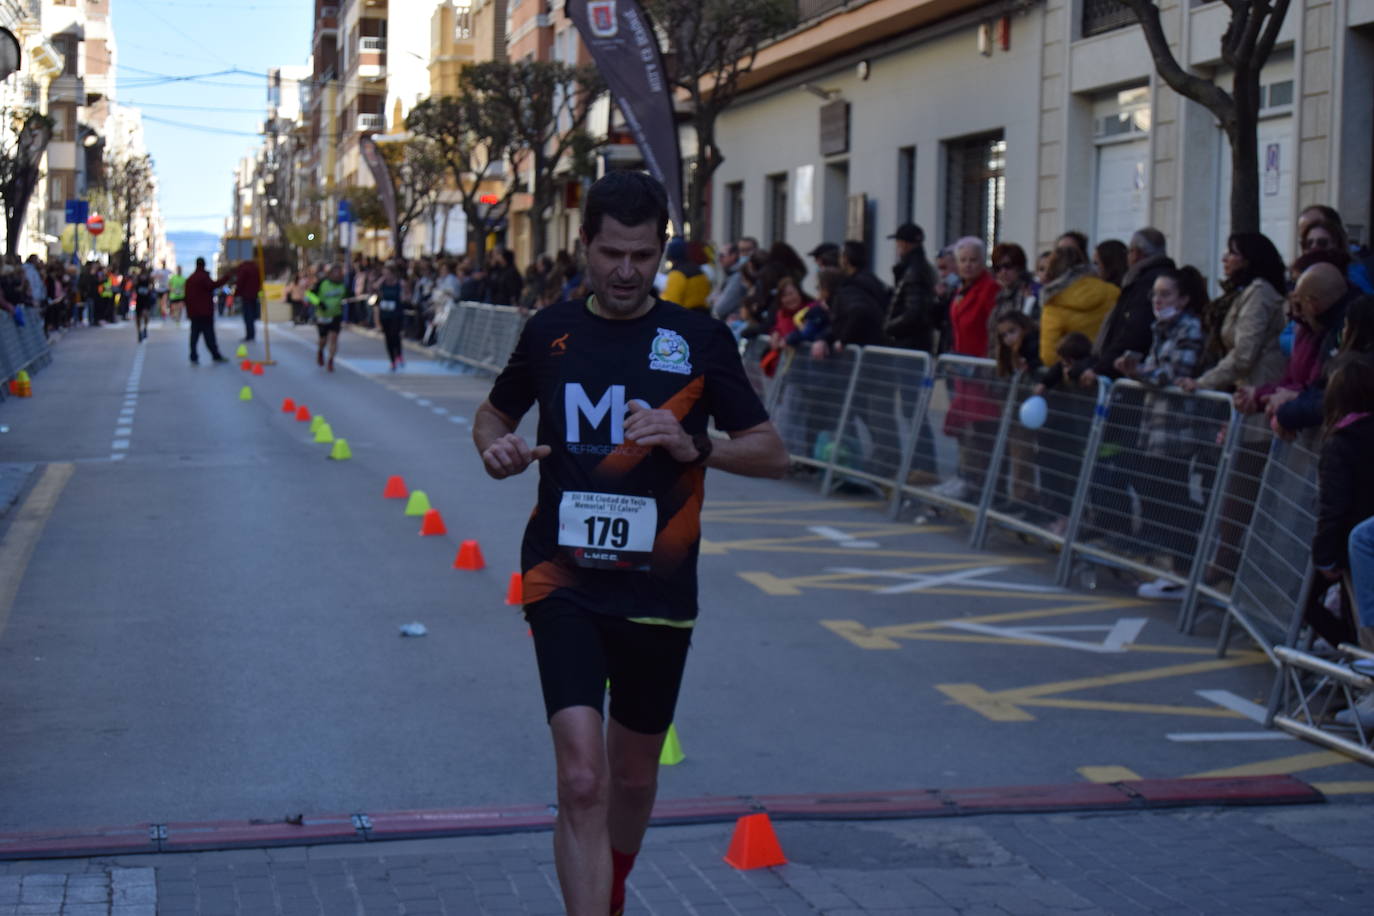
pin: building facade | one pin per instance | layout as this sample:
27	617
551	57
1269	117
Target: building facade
1017	121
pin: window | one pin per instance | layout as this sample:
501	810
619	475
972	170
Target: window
734	211
975	187
906	185
776	230
66	46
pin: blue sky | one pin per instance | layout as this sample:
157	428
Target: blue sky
213	118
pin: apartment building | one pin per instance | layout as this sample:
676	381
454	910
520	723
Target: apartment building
1018	120
40	62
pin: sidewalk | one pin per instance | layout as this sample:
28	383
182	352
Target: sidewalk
1309	858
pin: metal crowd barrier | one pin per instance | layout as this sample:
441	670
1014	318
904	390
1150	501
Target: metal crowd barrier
479	335
21	346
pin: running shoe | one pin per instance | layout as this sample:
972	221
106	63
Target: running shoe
1161	589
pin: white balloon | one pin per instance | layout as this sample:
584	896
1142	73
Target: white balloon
1034	410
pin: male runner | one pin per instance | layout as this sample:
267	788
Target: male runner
176	294
160	286
625	383
327	297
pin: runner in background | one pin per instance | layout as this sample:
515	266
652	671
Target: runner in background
327	298
161	276
176	294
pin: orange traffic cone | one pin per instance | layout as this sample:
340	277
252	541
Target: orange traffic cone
754	844
395	488
469	556
257	368
303	414
433	523
515	592
288	406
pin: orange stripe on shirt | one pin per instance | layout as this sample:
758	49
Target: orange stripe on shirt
681	404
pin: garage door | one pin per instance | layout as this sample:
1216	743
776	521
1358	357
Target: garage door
1121	196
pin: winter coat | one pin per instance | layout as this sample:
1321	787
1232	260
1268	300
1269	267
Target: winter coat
1346	489
857	311
1250	337
968	316
911	315
1129	325
1171	424
1079	305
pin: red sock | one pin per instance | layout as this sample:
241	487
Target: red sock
621	863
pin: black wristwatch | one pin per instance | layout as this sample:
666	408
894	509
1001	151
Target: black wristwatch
704	445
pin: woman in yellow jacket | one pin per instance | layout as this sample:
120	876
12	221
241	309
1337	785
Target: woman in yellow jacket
1073	300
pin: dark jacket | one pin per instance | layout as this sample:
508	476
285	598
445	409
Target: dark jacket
1312	353
1130	326
1346	491
200	295
503	286
911	319
857	312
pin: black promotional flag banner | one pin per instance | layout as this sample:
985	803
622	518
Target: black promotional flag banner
386	189
622	42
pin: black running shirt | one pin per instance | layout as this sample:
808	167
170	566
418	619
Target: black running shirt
617	526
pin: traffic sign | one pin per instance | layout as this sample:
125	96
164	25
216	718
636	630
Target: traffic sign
78	211
345	212
96	224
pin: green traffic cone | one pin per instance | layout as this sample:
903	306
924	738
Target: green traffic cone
671	755
323	433
418	504
242	351
315	421
245	393
340	451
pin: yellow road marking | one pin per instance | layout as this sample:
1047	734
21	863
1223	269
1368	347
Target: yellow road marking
1108	774
990	705
24	532
1281	765
1348	787
1238	660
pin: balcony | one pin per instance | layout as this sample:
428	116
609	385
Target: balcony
371	122
1101	16
371	43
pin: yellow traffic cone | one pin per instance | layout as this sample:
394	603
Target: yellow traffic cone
340	451
323	433
316	421
671	755
245	393
418	504
242	351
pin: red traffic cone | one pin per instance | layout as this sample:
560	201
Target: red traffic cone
257	368
303	414
288	406
432	523
395	488
754	844
469	556
515	592
246	365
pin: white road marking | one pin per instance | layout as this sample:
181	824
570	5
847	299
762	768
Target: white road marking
124	431
915	582
440	410
1230	736
409	394
840	537
1228	700
1118	635
424	402
457	419
119	444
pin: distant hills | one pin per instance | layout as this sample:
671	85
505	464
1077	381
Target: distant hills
192	245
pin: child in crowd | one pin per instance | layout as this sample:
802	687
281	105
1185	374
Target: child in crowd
1017	348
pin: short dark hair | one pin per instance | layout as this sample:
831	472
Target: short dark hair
1011	253
1080	239
200	263
856	253
630	198
1074	347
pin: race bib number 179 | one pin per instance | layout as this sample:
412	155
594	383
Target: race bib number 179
607	530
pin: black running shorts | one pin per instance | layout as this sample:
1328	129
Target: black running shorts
579	649
328	327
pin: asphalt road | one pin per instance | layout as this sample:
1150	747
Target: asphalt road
208	623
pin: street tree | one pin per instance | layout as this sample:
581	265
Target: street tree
546	104
24	135
417	171
1245	47
129	182
472	139
711	45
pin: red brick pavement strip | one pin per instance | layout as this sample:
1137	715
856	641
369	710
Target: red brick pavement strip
215	835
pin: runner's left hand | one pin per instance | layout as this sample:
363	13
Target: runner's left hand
646	426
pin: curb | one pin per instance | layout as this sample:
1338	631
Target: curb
205	836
